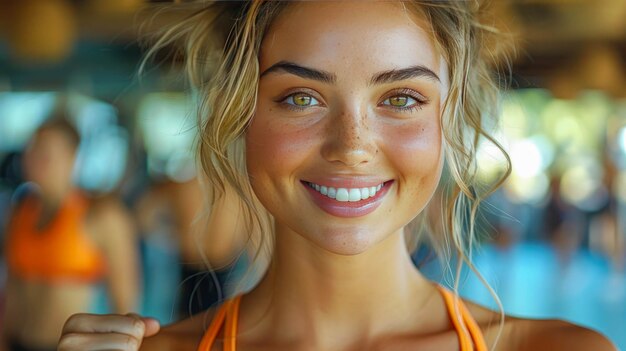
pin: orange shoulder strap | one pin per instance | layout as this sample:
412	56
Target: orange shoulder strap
470	336
229	311
230	332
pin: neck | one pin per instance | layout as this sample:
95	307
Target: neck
315	295
52	198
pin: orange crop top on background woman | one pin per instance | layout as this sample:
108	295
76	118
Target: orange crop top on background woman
61	251
470	336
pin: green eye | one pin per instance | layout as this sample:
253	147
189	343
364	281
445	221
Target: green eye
301	100
400	101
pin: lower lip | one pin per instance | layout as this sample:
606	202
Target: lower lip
348	209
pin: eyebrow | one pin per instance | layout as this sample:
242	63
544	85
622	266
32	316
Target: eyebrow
403	74
301	71
329	78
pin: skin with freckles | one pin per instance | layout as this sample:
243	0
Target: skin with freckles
354	124
350	129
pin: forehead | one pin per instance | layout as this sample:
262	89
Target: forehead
51	137
351	37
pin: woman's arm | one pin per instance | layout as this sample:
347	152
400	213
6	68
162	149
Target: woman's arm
115	232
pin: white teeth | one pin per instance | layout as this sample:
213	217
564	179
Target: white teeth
342	195
332	193
365	193
347	194
355	195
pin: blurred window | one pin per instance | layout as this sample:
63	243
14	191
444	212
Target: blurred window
168	127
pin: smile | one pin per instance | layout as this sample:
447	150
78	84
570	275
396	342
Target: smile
346	194
348	201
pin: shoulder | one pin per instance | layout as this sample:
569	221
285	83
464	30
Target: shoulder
107	208
556	335
108	218
184	335
547	335
537	335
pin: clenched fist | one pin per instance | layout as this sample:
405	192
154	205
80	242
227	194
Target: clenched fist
89	332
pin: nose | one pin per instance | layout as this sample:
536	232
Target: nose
349	141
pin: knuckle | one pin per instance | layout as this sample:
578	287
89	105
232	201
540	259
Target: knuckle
75	321
137	325
71	322
131	343
63	346
68	342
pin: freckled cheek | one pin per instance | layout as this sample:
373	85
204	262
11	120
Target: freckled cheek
415	150
277	147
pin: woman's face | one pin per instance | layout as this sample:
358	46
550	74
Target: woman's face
345	145
49	161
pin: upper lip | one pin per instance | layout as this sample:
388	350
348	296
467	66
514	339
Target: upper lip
345	181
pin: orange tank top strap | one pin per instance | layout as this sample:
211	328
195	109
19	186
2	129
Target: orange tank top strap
470	336
61	250
228	312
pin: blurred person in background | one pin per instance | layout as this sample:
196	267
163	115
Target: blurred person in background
562	224
206	266
60	246
605	234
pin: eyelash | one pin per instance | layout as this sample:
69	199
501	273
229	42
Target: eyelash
282	101
420	101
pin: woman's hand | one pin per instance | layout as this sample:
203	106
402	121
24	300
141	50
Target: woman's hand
89	332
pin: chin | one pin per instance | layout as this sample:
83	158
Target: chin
346	242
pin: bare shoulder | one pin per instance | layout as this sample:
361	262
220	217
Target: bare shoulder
107	208
536	335
184	335
556	335
109	222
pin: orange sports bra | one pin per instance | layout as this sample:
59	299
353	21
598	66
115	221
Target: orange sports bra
470	336
60	251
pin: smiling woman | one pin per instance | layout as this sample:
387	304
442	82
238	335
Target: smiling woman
333	123
338	120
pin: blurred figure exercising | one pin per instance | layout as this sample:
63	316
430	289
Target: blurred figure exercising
61	245
209	260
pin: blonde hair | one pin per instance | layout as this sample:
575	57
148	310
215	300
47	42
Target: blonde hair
221	44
